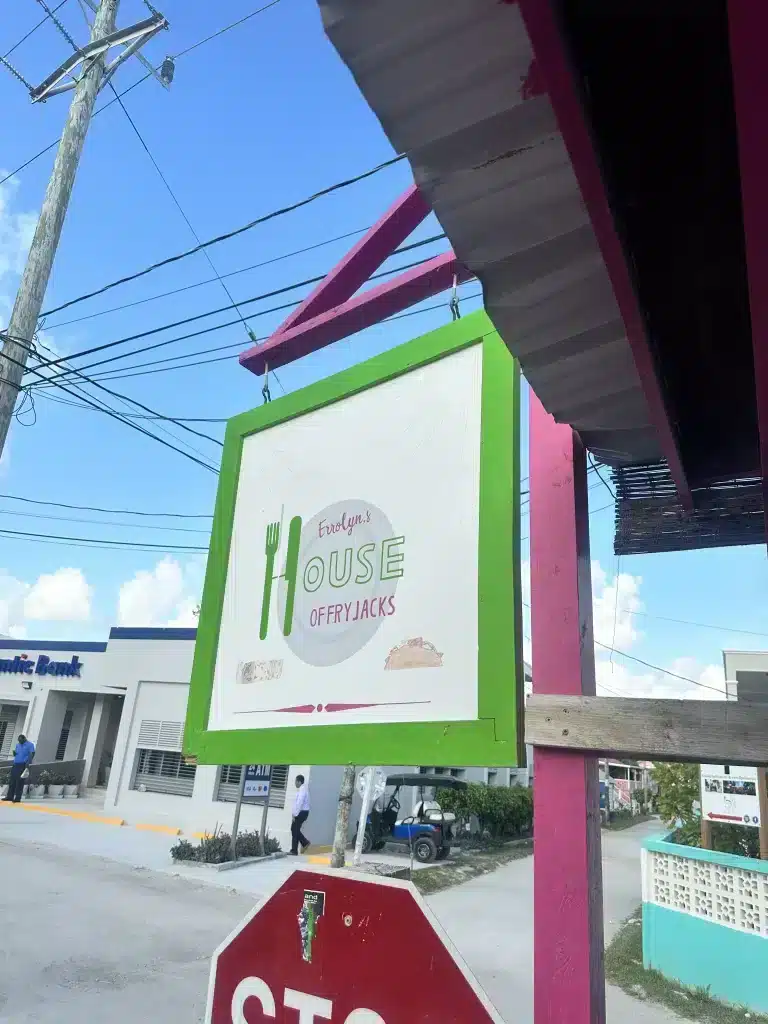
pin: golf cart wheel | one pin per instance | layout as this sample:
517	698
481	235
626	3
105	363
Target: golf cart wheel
424	850
368	843
443	853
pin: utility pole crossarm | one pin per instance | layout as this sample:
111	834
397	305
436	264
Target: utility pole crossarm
97	46
140	56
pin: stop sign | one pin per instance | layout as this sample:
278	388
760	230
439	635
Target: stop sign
345	949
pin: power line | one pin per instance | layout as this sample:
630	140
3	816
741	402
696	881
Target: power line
118	374
106	511
592	512
101	522
330	189
55	142
139	415
607	486
648	664
116	415
31	31
658	668
50	363
226	28
125	92
104	542
210	280
122	398
701	625
251	336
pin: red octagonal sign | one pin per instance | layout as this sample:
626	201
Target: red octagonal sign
345	949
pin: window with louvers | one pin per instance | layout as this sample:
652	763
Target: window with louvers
160	767
164	771
229	783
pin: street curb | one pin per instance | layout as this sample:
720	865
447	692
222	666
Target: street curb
77	815
168	830
228	865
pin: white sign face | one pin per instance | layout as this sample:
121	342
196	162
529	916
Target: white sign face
351	592
729	794
257	780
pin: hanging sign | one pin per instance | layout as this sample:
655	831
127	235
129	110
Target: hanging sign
362	590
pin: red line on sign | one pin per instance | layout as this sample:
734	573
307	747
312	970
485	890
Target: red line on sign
307	709
726	817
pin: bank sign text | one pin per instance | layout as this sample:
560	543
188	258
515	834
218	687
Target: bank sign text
22	664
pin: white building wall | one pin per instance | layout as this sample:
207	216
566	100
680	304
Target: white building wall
164	698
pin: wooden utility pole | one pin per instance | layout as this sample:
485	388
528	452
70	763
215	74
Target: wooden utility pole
34	281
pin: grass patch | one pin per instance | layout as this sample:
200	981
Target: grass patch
624	968
465	867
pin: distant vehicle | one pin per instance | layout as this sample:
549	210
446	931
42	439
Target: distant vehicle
427	831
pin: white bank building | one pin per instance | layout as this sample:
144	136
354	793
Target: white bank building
120	705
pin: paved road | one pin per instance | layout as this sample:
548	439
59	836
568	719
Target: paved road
90	938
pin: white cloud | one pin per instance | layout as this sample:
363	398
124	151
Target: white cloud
165	596
615	602
698	682
61	596
16	231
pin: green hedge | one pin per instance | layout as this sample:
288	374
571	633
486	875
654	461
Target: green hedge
501	811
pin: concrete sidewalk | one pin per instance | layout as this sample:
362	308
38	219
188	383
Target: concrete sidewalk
490	919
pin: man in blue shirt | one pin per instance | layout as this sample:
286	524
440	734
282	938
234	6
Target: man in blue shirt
22	758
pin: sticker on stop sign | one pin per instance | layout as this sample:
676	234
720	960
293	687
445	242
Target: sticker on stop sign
346	949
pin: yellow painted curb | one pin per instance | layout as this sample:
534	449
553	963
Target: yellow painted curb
166	829
202	835
318	860
77	815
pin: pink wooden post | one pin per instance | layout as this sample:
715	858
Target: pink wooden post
569	980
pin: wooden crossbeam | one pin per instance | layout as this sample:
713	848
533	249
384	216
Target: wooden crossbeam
705	731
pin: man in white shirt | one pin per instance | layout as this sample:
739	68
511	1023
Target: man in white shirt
300	815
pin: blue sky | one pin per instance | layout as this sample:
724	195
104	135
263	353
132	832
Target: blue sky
256	119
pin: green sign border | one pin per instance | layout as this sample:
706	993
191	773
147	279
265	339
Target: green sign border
496	738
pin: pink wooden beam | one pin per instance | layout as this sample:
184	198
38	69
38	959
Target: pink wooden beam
569	978
363	259
747	28
363	311
553	65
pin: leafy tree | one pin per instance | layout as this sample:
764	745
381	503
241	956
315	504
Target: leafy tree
678	789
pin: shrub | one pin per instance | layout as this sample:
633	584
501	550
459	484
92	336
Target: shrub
217	848
501	811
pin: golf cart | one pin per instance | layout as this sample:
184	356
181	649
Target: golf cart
427	830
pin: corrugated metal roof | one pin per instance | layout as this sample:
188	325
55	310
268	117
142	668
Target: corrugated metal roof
455	87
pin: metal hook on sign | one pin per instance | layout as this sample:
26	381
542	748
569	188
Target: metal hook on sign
265	389
453	305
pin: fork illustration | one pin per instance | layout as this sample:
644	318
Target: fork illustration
270	550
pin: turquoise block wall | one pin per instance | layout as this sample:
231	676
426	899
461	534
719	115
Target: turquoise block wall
704	954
